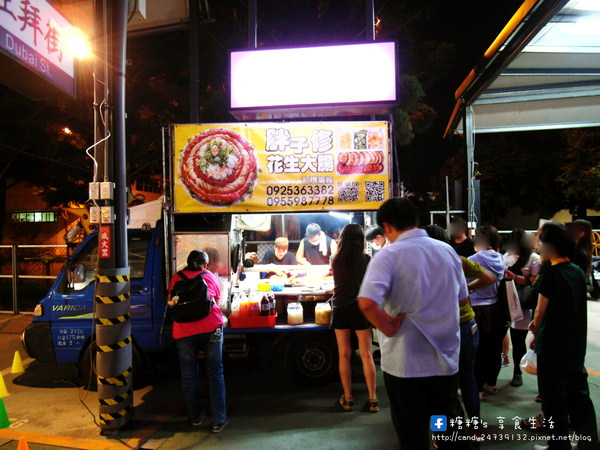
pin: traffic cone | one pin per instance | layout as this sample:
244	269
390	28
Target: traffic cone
23	445
4	422
3	390
17	365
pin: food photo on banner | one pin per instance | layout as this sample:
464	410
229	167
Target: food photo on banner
265	167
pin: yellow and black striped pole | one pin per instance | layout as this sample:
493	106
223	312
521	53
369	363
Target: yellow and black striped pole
114	351
112	299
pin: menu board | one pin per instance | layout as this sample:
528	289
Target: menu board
280	167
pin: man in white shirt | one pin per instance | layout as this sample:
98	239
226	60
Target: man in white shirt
410	293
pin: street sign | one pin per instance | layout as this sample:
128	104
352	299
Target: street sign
105	241
33	34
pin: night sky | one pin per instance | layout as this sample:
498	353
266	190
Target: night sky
438	41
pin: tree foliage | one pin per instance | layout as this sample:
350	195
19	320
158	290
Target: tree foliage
580	172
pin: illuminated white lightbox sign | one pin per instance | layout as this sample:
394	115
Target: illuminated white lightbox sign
335	74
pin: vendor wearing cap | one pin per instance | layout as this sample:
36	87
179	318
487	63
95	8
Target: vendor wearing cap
279	254
316	248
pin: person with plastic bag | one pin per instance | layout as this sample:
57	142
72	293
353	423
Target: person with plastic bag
560	328
523	266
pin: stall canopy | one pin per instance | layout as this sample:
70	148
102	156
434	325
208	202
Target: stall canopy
542	72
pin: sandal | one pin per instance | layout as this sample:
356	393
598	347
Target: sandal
538	423
373	404
346	404
492	390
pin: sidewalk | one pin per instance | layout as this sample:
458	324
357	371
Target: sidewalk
267	409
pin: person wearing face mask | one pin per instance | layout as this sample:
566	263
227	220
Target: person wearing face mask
376	237
316	248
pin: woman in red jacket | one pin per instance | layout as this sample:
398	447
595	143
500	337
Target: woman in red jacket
207	335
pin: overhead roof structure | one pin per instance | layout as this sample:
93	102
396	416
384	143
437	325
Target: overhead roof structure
542	71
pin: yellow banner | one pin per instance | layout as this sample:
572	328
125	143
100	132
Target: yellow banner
280	167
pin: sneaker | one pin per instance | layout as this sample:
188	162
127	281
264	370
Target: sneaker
373	405
505	360
517	380
198	422
217	427
347	404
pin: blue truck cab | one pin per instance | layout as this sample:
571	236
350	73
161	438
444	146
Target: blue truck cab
62	331
63	324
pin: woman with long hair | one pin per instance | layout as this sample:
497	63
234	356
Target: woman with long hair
349	266
523	267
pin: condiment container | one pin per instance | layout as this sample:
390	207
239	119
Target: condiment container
295	314
323	313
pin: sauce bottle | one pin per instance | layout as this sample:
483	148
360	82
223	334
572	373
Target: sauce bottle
265	305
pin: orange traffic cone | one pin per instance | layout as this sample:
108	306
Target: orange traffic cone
4	422
17	365
3	390
23	445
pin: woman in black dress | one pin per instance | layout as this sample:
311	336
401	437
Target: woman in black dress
348	267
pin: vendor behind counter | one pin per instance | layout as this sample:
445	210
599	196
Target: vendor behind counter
279	254
316	248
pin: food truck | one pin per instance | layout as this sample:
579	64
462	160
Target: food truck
233	189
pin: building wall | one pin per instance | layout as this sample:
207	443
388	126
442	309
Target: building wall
22	197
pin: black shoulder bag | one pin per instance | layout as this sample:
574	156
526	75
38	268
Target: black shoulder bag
194	302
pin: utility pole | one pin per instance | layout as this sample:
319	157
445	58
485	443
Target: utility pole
194	43
112	298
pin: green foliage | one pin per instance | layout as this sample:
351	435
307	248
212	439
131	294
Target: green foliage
580	174
516	171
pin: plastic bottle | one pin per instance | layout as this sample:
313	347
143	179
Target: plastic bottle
265	305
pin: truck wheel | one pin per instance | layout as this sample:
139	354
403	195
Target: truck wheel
87	366
311	358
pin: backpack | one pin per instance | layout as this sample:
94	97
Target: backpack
194	301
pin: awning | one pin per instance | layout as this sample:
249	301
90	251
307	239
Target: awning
542	72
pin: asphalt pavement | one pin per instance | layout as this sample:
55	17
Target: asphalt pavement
268	410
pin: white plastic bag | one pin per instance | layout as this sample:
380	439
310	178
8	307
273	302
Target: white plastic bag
529	362
514	304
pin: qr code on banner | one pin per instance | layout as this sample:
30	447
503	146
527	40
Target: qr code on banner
348	192
375	191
